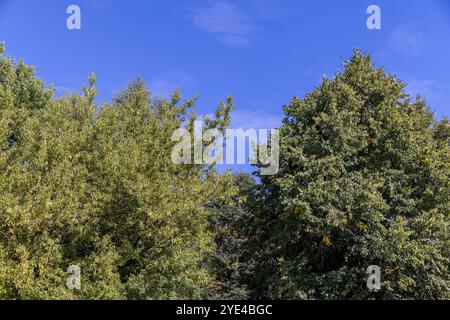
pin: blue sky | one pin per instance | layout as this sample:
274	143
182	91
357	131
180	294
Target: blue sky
263	52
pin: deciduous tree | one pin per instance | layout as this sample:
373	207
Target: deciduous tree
94	186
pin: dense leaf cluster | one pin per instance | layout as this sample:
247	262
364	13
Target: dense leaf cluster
94	186
364	180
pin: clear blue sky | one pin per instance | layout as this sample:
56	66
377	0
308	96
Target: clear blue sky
263	52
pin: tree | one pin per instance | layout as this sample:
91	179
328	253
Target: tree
364	180
229	262
21	94
442	131
94	186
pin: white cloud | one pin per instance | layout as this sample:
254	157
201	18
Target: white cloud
225	21
244	119
409	42
167	83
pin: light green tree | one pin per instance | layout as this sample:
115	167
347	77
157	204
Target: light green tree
94	186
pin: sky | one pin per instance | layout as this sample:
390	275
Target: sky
263	52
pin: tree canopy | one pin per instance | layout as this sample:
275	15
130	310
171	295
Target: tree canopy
94	186
364	180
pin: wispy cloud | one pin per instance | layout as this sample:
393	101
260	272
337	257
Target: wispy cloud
168	82
225	21
409	42
255	120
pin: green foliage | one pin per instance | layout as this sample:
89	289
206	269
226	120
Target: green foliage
94	186
364	180
228	261
442	131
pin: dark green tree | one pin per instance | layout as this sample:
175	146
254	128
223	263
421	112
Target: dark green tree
229	262
364	180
